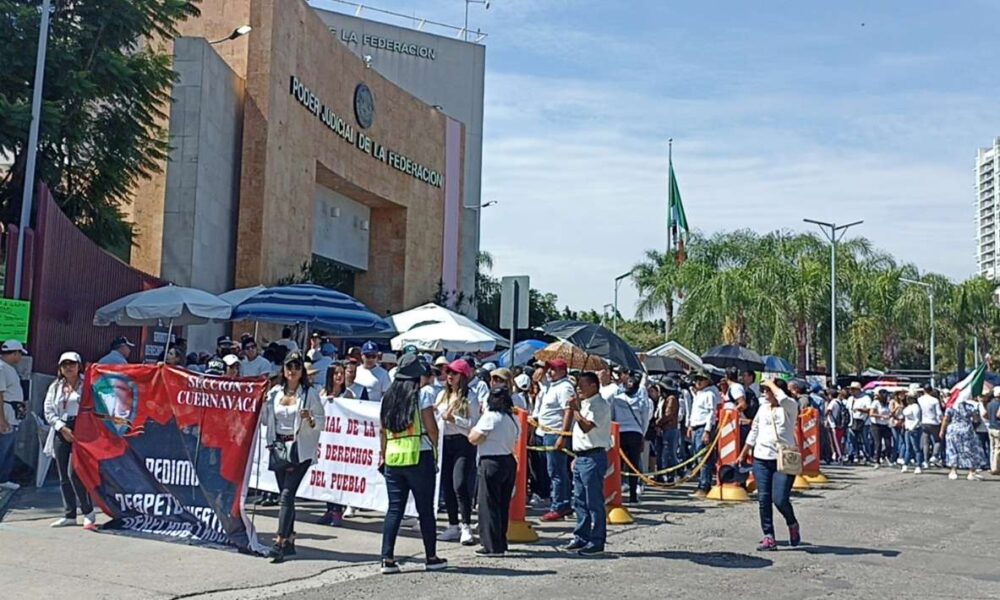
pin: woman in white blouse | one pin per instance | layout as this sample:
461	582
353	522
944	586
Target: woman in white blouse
293	416
773	426
62	403
496	435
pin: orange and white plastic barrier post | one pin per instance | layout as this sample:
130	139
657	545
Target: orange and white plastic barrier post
801	483
518	529
730	445
810	447
617	514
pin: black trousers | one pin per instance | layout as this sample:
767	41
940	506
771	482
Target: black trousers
538	471
288	482
458	469
497	475
882	436
73	493
632	448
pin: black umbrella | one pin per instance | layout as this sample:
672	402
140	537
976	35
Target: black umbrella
661	364
734	356
596	340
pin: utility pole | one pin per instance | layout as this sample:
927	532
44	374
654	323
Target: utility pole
834	233
618	281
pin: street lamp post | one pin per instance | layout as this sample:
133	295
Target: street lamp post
930	297
618	281
465	30
32	148
834	233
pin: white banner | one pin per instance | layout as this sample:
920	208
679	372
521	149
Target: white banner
346	471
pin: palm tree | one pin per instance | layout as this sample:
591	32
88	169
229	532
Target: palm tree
658	280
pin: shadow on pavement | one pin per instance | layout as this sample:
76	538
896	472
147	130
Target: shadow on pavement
725	560
842	550
497	572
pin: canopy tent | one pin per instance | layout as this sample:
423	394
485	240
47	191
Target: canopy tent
309	304
461	328
444	337
170	304
678	352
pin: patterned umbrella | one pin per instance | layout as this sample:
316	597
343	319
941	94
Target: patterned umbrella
576	359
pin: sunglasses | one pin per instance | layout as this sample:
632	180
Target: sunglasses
294	366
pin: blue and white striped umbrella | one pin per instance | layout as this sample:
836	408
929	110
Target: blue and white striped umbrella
313	305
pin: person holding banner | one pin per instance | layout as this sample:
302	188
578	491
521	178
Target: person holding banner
62	403
496	435
336	387
409	436
293	416
772	429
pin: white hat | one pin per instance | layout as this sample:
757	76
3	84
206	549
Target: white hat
522	381
489	367
231	359
389	357
996	391
13	346
855	384
70	357
440	361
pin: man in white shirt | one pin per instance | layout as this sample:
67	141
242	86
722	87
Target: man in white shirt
121	349
550	413
373	377
590	419
323	362
609	387
930	421
12	399
287	341
631	411
860	405
315	346
254	365
701	423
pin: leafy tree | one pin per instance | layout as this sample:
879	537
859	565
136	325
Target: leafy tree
107	81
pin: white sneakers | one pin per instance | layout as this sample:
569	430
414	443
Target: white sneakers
953	475
9	485
349	512
64	522
467	539
904	469
90	521
917	471
451	534
925	465
973	476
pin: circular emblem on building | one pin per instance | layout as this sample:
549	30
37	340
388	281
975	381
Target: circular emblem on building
364	106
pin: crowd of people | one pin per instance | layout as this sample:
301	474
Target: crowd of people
664	422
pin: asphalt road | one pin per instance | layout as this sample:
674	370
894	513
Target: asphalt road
870	534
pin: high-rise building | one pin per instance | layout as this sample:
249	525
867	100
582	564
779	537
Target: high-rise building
988	211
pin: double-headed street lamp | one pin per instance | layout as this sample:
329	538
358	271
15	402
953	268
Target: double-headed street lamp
834	233
930	296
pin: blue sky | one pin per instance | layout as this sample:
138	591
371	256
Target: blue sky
778	111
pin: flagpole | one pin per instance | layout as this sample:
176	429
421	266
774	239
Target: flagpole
670	216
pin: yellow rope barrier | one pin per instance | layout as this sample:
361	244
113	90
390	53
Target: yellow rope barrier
551	449
655	484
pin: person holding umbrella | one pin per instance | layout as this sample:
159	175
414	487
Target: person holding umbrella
556	392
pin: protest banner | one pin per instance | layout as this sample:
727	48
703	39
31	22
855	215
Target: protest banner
346	469
165	452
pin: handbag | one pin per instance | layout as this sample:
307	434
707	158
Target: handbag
789	458
280	457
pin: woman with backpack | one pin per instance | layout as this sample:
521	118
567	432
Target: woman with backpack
409	436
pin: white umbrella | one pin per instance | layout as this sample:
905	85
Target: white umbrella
432	313
169	304
445	337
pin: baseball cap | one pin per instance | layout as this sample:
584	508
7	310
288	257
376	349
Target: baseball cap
120	341
440	361
556	363
369	347
230	360
328	349
458	366
13	346
390	357
522	381
316	334
215	367
490	367
293	357
855	384
69	357
409	349
223	340
411	368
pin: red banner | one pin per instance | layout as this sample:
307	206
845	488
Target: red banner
165	451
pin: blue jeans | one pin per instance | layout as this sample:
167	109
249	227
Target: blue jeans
588	497
914	446
705	477
7	457
774	489
666	450
899	444
558	475
399	482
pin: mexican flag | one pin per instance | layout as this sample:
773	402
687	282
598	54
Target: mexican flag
676	218
969	388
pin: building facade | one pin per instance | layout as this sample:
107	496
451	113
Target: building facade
289	150
988	211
